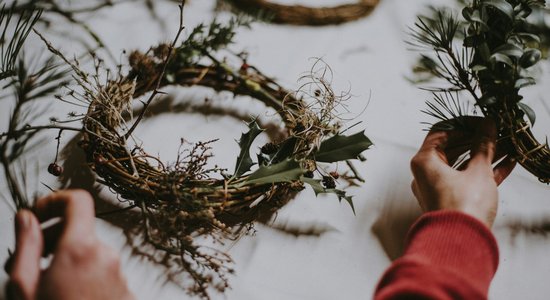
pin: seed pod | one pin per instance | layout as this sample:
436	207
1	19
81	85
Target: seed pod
55	169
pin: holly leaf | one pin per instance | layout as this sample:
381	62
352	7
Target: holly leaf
340	148
319	189
286	171
286	150
244	162
315	185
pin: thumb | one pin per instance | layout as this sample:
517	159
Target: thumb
484	144
25	272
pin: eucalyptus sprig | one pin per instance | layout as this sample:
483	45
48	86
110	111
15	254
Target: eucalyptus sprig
488	55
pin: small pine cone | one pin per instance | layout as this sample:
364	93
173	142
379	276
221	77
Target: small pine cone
55	169
269	148
328	182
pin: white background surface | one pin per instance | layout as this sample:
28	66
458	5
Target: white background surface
370	57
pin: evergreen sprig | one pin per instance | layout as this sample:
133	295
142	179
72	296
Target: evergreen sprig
487	55
15	30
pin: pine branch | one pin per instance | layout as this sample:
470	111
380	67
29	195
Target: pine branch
14	34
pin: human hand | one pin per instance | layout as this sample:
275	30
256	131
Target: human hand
81	268
471	189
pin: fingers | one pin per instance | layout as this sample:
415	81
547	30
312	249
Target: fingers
25	268
76	207
503	169
484	144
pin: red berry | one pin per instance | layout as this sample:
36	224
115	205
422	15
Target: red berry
55	169
244	67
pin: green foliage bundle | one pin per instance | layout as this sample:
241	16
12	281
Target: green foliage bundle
487	55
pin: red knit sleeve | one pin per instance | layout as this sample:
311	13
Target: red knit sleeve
449	255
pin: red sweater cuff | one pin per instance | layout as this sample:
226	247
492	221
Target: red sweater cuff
454	240
448	253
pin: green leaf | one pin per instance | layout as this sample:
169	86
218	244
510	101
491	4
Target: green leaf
285	151
487	100
529	38
340	148
244	162
501	58
523	82
529	112
286	171
315	185
510	50
530	58
478	68
343	196
501	5
319	189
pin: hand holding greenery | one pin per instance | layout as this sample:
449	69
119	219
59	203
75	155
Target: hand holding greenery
488	56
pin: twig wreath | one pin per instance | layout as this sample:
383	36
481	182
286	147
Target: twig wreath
183	201
305	15
488	55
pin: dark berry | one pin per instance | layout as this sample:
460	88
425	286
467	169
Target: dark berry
269	148
328	182
308	174
55	169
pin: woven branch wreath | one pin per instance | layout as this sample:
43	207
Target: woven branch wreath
185	200
488	55
304	15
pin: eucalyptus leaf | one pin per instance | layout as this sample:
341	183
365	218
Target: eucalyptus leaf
523	82
501	5
529	38
487	100
501	58
244	162
286	171
340	148
510	50
530	58
529	112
